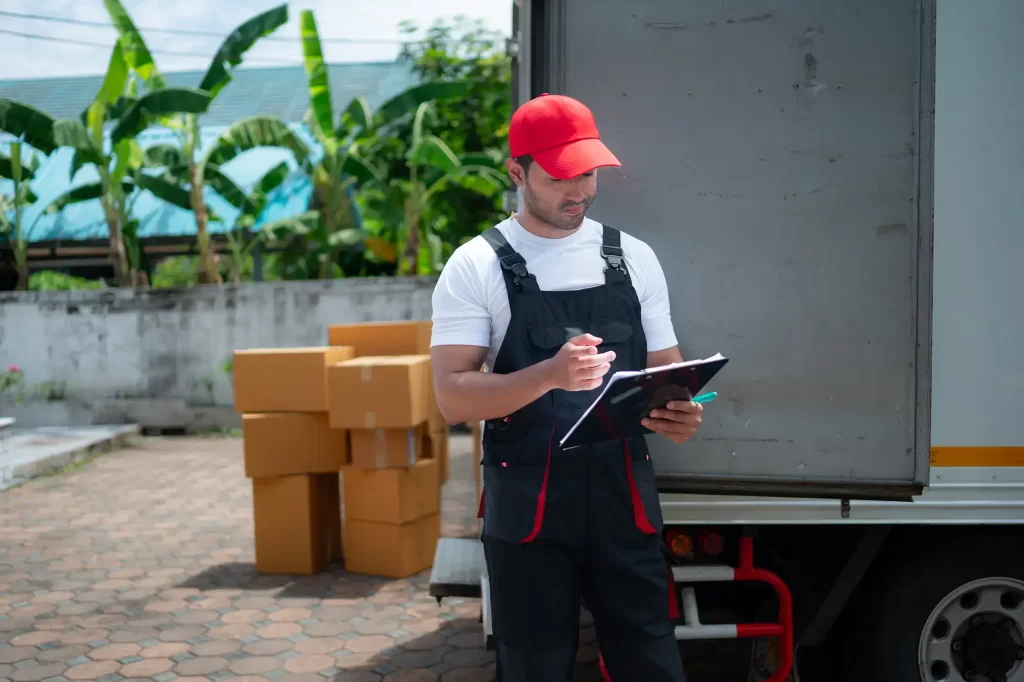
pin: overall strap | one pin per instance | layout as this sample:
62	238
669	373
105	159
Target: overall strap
513	265
611	251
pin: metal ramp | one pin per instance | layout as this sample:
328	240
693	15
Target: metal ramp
458	568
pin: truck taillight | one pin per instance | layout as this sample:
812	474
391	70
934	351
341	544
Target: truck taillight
679	543
713	544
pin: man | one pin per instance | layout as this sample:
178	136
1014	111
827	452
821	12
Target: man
551	302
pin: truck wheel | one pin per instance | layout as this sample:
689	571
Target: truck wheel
955	617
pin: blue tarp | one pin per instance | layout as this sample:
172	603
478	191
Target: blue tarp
156	217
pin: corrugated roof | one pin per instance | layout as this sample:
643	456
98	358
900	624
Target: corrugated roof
280	92
268	91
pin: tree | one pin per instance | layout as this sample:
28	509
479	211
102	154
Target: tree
21	173
120	169
194	173
474	125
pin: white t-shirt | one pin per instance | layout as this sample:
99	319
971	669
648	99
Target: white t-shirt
470	302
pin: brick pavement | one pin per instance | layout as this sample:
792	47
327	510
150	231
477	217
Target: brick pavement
140	566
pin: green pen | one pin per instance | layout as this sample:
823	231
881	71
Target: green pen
706	397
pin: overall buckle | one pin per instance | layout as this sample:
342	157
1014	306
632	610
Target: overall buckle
613	255
517	264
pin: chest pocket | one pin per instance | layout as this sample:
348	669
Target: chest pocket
546	340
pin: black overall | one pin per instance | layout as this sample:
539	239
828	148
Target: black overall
585	522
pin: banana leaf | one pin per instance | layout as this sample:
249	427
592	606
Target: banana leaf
27	169
479	179
408	100
67	132
117	74
165	156
129	156
82	193
256	131
361	169
316	75
173	194
432	151
301	225
237	44
226	187
150	107
273	178
133	48
357	116
28	124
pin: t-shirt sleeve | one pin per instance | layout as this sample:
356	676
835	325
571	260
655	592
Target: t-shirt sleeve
655	311
460	315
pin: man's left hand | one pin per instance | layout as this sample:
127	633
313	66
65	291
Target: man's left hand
677	422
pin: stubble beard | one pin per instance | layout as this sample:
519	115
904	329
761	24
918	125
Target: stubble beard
555	218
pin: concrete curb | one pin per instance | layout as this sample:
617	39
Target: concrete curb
113	438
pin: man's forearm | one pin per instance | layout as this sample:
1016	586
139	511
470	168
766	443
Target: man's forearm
475	396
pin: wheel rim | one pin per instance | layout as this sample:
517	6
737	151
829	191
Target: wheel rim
975	634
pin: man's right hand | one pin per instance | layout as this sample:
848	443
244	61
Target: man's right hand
578	366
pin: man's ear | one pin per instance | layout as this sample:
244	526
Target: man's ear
516	172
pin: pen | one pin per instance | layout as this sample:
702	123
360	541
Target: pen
706	397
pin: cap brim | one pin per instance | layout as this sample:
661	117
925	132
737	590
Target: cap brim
575	158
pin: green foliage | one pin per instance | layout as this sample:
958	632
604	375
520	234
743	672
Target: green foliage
51	280
425	169
476	123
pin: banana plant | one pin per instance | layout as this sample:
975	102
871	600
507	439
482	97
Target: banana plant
120	166
20	172
241	239
248	133
32	129
433	167
217	76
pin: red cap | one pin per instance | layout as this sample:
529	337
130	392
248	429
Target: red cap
560	134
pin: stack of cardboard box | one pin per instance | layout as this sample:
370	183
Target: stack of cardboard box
384	397
292	454
364	406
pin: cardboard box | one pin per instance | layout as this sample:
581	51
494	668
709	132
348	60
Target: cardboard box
332	508
391	550
284	379
285	443
391	495
292	528
436	446
376	392
387	448
383	338
436	420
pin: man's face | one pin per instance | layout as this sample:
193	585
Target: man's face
561	204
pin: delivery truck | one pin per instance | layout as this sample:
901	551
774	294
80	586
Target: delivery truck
835	191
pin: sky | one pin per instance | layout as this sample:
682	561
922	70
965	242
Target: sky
22	57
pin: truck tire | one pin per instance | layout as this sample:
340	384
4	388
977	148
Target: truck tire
952	613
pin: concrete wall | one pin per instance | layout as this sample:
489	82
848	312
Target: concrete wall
156	357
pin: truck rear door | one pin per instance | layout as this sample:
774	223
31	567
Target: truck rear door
777	157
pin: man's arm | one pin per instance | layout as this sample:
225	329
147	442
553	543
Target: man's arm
464	393
666	356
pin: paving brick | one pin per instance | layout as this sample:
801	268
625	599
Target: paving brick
39	672
156	582
92	670
147	668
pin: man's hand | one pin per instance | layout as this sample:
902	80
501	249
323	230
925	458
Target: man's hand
677	422
578	366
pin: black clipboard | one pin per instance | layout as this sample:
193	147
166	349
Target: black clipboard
628	397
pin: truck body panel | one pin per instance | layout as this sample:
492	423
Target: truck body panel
777	158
